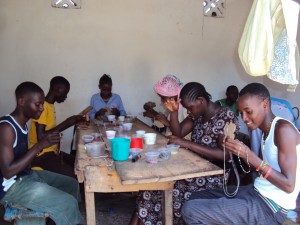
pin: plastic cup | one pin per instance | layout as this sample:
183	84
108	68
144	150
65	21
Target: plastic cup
136	142
121	118
173	148
111	117
150	138
140	133
110	134
164	153
127	126
120	148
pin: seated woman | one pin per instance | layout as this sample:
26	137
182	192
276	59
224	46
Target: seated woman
106	102
276	189
168	89
206	121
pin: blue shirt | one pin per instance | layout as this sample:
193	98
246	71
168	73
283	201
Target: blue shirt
97	102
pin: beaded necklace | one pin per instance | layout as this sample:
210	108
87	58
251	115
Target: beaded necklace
267	133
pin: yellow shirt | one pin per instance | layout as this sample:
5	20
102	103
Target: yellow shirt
48	119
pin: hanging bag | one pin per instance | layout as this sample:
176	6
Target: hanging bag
256	47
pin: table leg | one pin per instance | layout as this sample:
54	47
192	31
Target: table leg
90	208
168	207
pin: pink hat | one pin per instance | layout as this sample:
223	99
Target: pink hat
168	86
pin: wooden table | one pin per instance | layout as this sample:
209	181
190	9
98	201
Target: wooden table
105	175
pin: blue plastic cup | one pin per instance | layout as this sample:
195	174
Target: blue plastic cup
120	148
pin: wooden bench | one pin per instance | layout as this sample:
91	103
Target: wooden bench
23	216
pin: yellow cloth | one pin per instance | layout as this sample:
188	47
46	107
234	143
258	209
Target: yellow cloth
48	119
263	27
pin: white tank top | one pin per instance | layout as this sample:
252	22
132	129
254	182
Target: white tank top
270	156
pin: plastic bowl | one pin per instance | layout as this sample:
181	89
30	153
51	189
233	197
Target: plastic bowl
164	153
95	149
127	126
152	157
173	148
87	138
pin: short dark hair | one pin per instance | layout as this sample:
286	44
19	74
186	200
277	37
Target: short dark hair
59	80
193	90
256	89
105	79
231	87
27	88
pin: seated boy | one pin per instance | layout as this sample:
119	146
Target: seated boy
49	158
42	190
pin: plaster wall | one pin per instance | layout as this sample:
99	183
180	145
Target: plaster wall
135	41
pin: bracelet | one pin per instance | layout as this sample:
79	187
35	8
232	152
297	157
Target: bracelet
260	165
268	172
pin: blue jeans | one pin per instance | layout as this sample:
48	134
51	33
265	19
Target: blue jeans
42	190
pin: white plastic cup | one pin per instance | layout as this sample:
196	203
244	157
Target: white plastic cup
121	118
150	138
110	134
140	133
127	126
111	117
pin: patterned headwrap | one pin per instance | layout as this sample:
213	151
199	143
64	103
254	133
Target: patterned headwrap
168	86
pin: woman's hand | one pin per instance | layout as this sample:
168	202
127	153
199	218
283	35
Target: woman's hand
176	140
163	119
172	105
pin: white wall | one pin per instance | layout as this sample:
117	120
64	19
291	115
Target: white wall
135	41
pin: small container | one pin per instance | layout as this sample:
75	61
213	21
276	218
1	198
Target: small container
95	149
292	215
136	142
173	148
150	138
111	117
120	148
87	138
152	157
110	134
140	133
164	153
127	126
121	118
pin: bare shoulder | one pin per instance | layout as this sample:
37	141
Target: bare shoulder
286	130
7	132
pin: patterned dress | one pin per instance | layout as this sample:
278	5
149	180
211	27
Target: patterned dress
149	203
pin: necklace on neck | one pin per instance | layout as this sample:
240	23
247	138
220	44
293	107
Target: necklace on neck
266	134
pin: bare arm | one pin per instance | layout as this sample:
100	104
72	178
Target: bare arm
8	165
208	152
72	120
